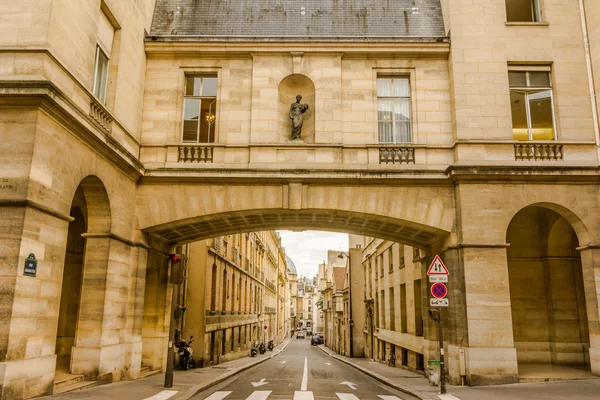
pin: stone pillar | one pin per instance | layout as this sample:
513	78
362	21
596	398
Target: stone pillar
156	317
30	306
590	263
103	345
491	357
455	322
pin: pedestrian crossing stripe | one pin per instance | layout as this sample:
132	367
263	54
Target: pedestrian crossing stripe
298	395
303	395
218	395
164	395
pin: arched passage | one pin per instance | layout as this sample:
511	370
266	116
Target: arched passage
548	303
86	260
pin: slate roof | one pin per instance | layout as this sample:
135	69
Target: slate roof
289	20
291	267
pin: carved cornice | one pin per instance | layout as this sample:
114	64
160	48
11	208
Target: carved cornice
49	98
37	206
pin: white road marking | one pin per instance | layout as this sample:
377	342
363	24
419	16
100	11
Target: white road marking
305	376
349	384
260	383
346	396
447	396
283	362
164	395
259	395
328	364
389	397
218	396
303	395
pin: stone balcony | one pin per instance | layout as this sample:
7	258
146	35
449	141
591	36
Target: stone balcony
185	159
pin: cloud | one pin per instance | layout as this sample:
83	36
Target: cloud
308	249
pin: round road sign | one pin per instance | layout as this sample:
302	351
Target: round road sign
265	328
439	290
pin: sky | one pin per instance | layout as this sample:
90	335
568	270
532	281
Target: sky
308	249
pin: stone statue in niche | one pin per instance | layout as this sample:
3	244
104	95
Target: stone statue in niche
296	111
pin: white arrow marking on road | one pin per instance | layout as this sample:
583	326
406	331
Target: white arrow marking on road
259	383
328	364
283	362
350	385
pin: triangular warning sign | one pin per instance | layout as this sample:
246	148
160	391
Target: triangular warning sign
437	267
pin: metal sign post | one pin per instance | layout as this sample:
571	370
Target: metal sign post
442	369
438	275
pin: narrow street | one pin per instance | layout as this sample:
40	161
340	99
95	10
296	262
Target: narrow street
302	372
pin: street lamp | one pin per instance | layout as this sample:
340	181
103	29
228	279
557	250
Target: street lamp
350	322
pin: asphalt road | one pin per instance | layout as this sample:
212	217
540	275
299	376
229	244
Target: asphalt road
302	372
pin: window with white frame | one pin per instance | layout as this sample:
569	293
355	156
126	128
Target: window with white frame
532	105
106	33
100	75
393	110
199	109
523	11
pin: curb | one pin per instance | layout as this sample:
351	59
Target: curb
380	378
215	381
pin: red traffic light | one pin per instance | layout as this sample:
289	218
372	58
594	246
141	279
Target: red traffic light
174	257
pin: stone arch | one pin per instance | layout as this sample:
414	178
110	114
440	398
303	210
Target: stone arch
205	227
546	281
86	264
288	88
97	203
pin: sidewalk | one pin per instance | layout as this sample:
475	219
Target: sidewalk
398	378
418	386
185	383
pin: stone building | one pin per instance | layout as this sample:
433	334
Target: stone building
231	295
293	289
395	305
305	309
117	147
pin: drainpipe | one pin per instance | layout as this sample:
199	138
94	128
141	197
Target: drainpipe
588	62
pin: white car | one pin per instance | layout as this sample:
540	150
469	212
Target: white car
300	335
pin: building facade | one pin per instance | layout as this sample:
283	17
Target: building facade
117	147
230	295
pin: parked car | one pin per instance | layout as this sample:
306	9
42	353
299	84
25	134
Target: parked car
317	338
300	335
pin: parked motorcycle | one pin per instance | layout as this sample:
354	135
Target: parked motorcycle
270	345
186	360
262	349
254	349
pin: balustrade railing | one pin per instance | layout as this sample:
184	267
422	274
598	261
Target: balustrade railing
396	155
100	116
195	153
538	151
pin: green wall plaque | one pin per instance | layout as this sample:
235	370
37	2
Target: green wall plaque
30	266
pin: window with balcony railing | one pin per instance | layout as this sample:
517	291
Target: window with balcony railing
393	109
199	109
531	103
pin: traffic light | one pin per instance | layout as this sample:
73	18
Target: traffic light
177	273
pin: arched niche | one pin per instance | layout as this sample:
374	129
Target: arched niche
289	87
